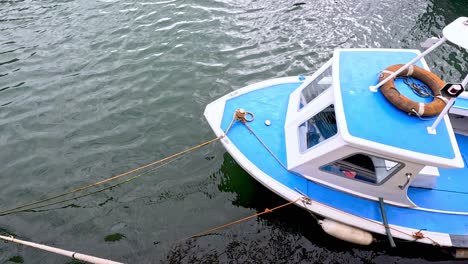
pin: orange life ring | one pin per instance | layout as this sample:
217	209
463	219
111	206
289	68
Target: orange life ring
409	106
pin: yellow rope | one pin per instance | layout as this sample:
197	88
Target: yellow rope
88	194
236	117
245	218
16	209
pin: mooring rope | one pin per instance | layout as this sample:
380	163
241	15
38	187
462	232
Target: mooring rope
17	209
239	115
29	209
266	211
265	146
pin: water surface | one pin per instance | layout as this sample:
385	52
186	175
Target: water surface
90	89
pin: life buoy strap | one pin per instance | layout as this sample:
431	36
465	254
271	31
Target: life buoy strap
421	109
410	70
442	98
385	71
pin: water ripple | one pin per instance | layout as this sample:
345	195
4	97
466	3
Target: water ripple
89	89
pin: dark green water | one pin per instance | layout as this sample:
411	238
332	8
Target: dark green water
90	89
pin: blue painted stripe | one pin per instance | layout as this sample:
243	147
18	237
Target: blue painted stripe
439	200
450	192
271	103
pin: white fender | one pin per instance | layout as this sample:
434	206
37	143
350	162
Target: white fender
346	232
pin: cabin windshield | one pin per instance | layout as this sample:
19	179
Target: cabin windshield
321	82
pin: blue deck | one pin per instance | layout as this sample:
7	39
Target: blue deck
360	69
451	191
271	103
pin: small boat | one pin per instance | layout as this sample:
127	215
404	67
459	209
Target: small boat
372	142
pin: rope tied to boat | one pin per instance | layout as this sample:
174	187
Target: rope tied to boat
241	115
420	235
307	202
266	211
150	166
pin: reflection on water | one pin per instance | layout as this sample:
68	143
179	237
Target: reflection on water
289	235
235	180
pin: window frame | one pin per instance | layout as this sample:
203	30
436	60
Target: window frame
318	74
307	149
383	181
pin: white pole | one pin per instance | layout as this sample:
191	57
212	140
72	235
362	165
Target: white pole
432	129
67	253
465	82
413	61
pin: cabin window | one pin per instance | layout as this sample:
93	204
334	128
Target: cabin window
364	167
318	128
322	82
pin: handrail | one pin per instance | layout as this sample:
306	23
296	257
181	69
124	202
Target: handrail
406	66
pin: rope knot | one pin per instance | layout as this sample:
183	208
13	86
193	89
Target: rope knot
241	115
268	210
418	235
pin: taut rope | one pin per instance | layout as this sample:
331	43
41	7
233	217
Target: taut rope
266	211
17	209
239	115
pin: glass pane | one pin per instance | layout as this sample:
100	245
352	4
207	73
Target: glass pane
364	167
316	87
318	128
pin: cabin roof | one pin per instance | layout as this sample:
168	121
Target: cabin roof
367	119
